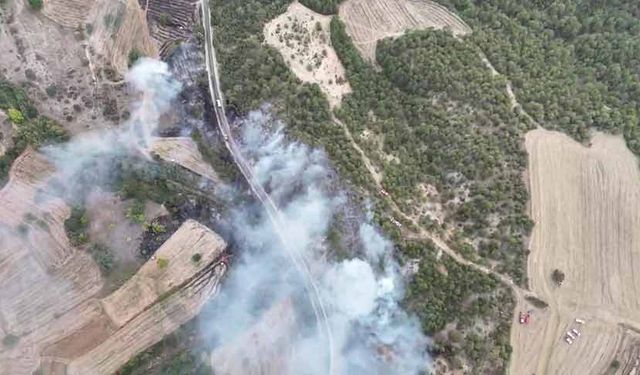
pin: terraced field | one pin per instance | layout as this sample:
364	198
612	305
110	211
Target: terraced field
368	21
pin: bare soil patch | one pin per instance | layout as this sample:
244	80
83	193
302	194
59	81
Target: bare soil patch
368	21
302	36
61	81
586	206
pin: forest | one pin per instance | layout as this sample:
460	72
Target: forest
448	123
463	310
254	74
573	64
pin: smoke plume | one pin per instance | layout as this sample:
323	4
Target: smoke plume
84	160
262	321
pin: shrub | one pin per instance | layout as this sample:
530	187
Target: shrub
10	341
35	4
103	257
162	263
52	90
196	257
557	276
165	19
15	116
537	302
135	213
134	55
157	228
76	225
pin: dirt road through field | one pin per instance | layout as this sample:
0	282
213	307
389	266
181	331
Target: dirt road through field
586	206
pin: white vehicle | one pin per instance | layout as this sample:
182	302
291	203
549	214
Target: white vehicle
568	340
579	321
570	335
575	331
226	138
218	103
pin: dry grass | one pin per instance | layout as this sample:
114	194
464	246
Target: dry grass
303	39
118	28
183	151
368	21
586	205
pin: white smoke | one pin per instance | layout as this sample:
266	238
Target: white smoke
152	82
372	335
262	321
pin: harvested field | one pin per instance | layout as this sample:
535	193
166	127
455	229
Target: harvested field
157	300
170	21
42	276
48	299
368	21
68	13
154	280
183	151
119	27
303	39
586	206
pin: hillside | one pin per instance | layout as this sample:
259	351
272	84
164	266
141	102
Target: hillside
415	186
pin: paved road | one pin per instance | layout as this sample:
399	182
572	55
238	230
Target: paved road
271	209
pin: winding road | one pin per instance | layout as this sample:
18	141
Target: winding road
274	214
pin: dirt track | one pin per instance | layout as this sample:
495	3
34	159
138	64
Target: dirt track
586	206
368	21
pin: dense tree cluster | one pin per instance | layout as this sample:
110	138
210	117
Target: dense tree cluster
254	74
322	6
573	63
443	292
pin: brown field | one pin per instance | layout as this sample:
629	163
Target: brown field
307	50
183	151
368	21
68	13
49	295
112	41
586	206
